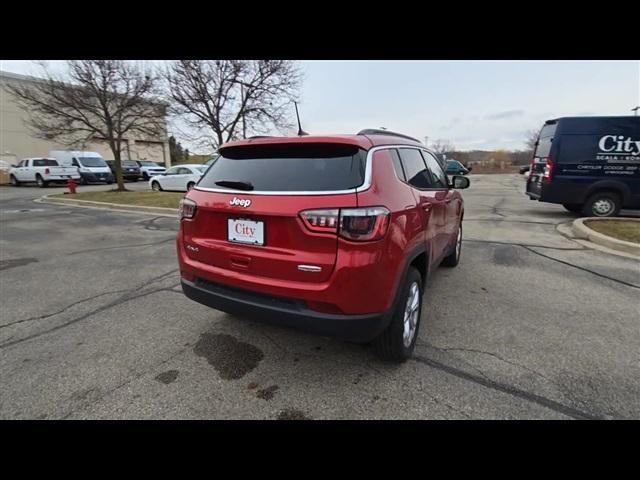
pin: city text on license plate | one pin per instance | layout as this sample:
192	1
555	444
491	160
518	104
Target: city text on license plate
245	231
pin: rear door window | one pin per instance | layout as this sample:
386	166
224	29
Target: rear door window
287	168
543	148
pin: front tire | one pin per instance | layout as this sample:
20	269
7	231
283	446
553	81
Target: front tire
602	204
397	342
14	181
156	187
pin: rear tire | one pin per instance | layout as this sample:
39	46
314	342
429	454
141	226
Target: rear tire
156	187
453	258
14	181
602	204
40	181
190	185
397	342
572	207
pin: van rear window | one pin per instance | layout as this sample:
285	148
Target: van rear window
545	141
287	168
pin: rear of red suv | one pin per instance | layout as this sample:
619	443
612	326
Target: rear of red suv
314	233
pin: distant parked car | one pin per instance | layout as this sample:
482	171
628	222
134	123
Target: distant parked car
148	169
130	169
524	169
180	178
42	171
454	167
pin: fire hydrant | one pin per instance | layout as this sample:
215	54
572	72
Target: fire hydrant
71	184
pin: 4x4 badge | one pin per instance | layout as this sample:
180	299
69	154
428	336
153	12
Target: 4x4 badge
243	202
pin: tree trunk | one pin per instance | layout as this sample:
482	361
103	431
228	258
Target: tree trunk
115	149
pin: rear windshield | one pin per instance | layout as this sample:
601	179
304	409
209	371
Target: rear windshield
129	164
45	163
546	138
92	162
288	168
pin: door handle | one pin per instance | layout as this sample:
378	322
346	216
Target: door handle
426	207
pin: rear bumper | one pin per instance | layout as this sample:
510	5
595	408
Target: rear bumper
286	312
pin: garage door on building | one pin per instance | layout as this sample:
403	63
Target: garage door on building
153	151
102	147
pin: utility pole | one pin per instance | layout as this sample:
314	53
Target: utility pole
426	141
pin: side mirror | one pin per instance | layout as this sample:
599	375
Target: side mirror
459	182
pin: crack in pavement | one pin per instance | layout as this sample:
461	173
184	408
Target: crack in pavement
42	317
523	244
601	275
508	389
135	245
120	300
129	380
510	362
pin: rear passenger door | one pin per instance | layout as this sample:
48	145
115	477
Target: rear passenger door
452	201
430	198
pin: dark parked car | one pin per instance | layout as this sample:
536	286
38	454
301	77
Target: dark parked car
454	167
130	169
336	235
524	169
590	165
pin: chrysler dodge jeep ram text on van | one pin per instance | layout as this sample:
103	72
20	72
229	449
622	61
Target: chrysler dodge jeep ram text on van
335	235
590	165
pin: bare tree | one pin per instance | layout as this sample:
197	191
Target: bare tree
441	146
531	139
225	99
105	99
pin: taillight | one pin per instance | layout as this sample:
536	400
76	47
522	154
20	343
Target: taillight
548	170
364	224
321	220
186	209
47	171
358	224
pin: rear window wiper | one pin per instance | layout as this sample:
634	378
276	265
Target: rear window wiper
237	184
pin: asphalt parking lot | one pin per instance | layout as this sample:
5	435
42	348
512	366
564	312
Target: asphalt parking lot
530	325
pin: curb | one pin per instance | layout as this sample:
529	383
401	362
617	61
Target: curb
169	212
581	231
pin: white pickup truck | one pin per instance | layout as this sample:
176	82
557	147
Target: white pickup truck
42	171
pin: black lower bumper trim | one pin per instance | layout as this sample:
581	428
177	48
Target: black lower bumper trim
286	312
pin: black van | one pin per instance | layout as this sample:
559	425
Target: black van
591	165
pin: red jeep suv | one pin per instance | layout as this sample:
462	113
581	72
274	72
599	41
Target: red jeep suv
335	235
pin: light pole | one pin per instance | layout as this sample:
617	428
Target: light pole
635	110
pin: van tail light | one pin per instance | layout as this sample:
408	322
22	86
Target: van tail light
47	171
186	209
548	171
357	224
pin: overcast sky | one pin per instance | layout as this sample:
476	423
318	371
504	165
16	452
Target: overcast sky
474	104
